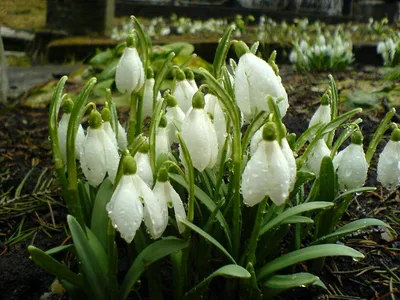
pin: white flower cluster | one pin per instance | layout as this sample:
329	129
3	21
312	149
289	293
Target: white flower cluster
325	52
389	49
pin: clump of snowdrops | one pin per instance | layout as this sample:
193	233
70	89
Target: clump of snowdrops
245	206
324	52
389	49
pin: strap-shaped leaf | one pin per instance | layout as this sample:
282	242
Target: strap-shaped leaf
54	267
298	220
99	220
355	191
349	228
225	271
208	202
207	237
305	254
298	209
93	274
284	282
149	255
222	51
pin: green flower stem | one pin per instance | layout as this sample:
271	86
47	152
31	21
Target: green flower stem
53	132
221	171
112	256
179	281
234	115
114	113
139	113
73	125
250	256
158	111
334	107
132	118
161	76
383	126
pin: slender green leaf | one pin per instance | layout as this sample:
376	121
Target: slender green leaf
222	51
208	202
99	220
298	209
285	282
349	228
225	271
109	71
302	177
59	249
21	185
355	191
207	237
254	47
54	267
327	181
94	275
149	255
298	220
305	254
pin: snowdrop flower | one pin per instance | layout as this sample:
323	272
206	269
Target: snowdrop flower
142	159
267	172
319	151
183	91
190	78
288	153
168	197
175	117
162	141
214	109
381	47
63	129
99	155
389	162
199	135
323	114
126	209
106	116
255	79
148	93
129	74
351	165
293	56
122	139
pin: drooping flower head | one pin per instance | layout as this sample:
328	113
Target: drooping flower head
99	155
323	113
255	79
351	165
199	135
162	140
106	116
389	162
183	91
142	159
317	153
129	74
175	117
267	172
190	78
148	93
63	129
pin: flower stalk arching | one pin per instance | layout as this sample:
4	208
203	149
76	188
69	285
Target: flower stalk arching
144	42
334	97
234	115
74	122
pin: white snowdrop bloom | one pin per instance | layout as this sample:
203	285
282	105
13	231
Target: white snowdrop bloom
144	170
125	208
162	140
213	107
254	81
183	91
122	139
351	165
62	137
168	197
255	141
267	172
291	161
319	151
129	74
110	132
381	47
389	162
99	155
303	46
175	117
322	114
293	57
148	94
190	78
199	135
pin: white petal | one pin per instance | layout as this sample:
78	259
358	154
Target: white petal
184	94
148	97
111	156
353	167
242	92
179	209
153	215
322	114
122	140
80	139
93	160
193	84
201	139
266	173
129	73
144	168
389	165
316	155
162	192
125	209
175	117
110	132
288	153
213	107
62	135
255	140
162	142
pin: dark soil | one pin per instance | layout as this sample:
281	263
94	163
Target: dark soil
24	144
